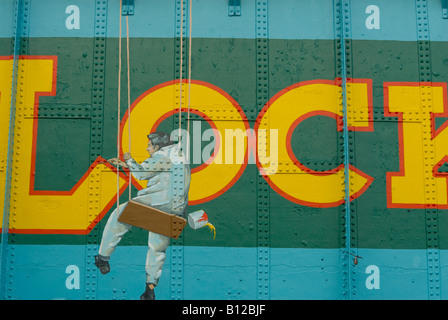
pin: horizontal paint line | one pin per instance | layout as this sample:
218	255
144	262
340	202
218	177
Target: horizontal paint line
286	20
221	273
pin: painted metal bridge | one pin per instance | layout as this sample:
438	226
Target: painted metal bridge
318	149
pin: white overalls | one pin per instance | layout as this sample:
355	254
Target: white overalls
168	178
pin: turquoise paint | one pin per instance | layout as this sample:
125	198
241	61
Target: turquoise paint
344	34
16	35
301	20
8	9
228	273
224	273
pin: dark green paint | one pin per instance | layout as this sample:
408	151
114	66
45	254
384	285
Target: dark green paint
230	64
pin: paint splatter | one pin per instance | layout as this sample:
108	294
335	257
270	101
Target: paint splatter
212	228
204	217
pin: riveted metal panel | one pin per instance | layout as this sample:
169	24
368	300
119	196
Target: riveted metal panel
426	97
263	201
180	67
5	274
96	142
342	38
18	114
351	224
271	242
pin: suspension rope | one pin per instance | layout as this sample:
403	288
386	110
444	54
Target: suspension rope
118	109
181	65
189	82
129	97
187	152
129	89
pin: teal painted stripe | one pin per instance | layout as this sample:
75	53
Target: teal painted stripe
288	19
7	13
224	273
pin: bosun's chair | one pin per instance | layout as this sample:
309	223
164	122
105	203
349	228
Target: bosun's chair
152	219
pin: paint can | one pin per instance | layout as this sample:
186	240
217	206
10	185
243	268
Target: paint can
197	219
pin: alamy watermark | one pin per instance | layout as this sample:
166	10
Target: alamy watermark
211	146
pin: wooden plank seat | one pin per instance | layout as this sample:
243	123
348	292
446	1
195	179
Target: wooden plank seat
152	219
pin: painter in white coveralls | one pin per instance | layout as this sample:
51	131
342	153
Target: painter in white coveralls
165	157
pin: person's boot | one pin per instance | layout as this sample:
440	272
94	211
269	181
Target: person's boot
148	294
102	265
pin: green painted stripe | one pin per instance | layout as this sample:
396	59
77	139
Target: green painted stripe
230	64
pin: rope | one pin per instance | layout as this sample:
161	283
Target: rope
118	110
189	83
119	102
129	89
129	97
181	64
189	74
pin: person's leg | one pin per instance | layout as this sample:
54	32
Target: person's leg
112	234
155	258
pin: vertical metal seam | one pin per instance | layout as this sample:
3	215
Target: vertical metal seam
23	28
20	49
350	211
16	36
343	63
177	249
263	203
431	211
343	256
96	141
